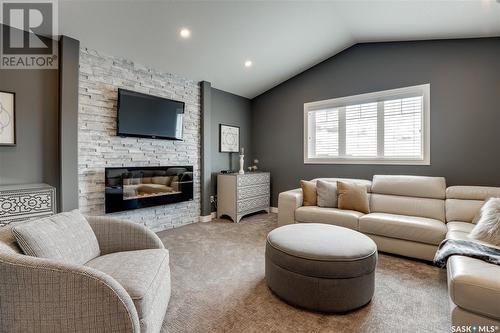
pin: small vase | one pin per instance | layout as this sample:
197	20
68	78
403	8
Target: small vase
242	163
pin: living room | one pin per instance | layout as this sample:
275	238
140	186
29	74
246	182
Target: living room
243	166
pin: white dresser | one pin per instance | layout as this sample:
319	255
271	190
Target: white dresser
27	201
239	195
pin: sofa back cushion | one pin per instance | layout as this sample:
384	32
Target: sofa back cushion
66	237
410	186
309	193
409	195
361	182
327	194
353	197
412	206
464	202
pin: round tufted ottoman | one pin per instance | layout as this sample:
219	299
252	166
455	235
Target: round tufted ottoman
321	267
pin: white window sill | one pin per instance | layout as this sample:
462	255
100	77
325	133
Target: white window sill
365	161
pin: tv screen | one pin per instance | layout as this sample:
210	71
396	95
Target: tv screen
147	116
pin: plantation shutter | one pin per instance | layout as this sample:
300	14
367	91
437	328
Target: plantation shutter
361	130
326	132
403	127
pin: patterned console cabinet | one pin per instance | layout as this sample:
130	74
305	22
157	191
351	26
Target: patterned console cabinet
27	201
239	195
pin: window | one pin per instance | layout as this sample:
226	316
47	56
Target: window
386	127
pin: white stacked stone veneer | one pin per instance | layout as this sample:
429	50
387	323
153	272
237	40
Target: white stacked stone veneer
99	147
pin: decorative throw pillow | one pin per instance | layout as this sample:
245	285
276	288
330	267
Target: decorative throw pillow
327	193
487	228
308	192
66	237
353	197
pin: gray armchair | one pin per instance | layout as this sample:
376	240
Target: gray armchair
125	289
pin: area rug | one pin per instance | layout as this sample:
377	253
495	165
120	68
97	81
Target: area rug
218	285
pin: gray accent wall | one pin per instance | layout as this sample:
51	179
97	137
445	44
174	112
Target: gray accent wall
68	122
465	109
229	109
35	158
206	147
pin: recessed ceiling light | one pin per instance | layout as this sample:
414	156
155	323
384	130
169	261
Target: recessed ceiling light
185	33
248	63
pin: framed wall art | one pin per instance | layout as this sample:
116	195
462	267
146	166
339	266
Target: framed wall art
7	119
229	139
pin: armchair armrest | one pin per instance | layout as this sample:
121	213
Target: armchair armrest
115	235
288	202
42	295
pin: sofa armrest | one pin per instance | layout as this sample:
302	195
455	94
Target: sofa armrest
288	202
43	295
115	235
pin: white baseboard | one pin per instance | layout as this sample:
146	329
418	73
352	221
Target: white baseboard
208	218
213	215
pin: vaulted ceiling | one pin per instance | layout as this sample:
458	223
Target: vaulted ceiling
281	38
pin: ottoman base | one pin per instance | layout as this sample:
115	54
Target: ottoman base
320	294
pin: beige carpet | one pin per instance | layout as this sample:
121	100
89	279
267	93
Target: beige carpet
218	286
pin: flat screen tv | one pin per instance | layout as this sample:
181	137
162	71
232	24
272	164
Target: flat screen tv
147	116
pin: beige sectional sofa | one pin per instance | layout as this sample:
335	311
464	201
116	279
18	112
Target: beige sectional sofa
410	216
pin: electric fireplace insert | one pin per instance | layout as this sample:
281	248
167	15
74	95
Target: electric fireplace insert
130	188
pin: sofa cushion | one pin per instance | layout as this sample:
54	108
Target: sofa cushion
474	285
461	230
458	230
410	186
362	182
8	243
353	197
413	206
472	192
460	226
335	216
327	193
65	237
142	273
308	192
418	229
462	210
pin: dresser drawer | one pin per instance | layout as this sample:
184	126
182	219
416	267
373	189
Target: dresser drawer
253	179
253	191
254	203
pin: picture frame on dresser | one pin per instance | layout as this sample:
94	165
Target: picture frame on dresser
229	138
7	119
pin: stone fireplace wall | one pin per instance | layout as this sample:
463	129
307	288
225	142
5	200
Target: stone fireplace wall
99	147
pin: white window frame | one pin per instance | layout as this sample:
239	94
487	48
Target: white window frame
379	96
